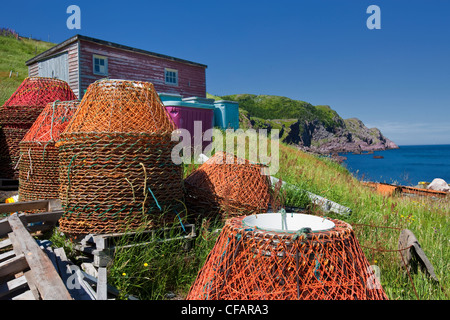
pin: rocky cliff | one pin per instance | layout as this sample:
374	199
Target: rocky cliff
317	129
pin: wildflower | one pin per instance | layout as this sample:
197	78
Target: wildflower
146	264
124	274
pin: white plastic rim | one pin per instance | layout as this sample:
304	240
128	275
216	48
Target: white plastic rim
289	222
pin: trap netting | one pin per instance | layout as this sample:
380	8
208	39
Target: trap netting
20	111
39	161
265	263
226	185
116	171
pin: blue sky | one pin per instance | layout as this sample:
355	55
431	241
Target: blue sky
396	78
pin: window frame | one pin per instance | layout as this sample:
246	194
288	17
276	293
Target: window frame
175	71
97	56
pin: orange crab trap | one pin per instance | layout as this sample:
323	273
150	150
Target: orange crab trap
20	111
276	256
116	171
228	186
39	161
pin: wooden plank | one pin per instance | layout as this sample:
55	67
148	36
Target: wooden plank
5	243
76	289
49	219
52	216
27	295
93	280
46	278
13	266
28	275
23	206
12	286
102	292
7	255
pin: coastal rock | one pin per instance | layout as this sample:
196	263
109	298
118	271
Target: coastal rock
439	185
315	129
351	135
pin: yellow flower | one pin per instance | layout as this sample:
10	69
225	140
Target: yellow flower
124	274
146	264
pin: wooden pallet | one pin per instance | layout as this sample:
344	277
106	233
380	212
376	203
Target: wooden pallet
103	246
31	270
42	221
26	272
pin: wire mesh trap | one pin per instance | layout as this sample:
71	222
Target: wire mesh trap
228	186
20	111
39	161
116	171
276	256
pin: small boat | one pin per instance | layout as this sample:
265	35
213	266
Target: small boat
378	157
391	189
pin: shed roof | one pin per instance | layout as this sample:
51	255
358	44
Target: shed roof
55	50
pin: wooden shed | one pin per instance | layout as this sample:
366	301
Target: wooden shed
82	60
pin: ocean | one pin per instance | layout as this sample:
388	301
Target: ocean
404	166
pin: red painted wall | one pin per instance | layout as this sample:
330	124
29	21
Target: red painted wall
129	65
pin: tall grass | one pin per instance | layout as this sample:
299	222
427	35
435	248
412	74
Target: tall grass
164	270
378	220
13	55
167	269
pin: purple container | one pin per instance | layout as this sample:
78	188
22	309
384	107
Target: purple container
185	113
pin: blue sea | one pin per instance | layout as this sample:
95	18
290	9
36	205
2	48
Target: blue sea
404	166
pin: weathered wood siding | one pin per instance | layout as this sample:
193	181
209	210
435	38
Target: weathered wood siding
55	67
130	65
72	66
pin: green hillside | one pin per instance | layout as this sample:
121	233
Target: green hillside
14	51
275	107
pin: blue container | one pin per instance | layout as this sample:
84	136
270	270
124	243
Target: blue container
199	100
226	114
169	97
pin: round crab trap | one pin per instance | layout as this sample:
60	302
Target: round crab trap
39	161
116	171
275	256
20	111
227	186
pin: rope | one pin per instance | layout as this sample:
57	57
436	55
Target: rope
154	198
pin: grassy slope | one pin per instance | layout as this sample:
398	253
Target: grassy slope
13	54
275	107
427	219
154	271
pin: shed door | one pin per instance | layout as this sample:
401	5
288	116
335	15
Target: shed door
56	67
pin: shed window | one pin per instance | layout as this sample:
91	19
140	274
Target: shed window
100	65
171	76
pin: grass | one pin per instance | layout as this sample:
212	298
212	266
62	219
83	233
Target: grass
427	219
13	55
166	270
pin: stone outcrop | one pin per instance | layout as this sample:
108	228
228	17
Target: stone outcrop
351	136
